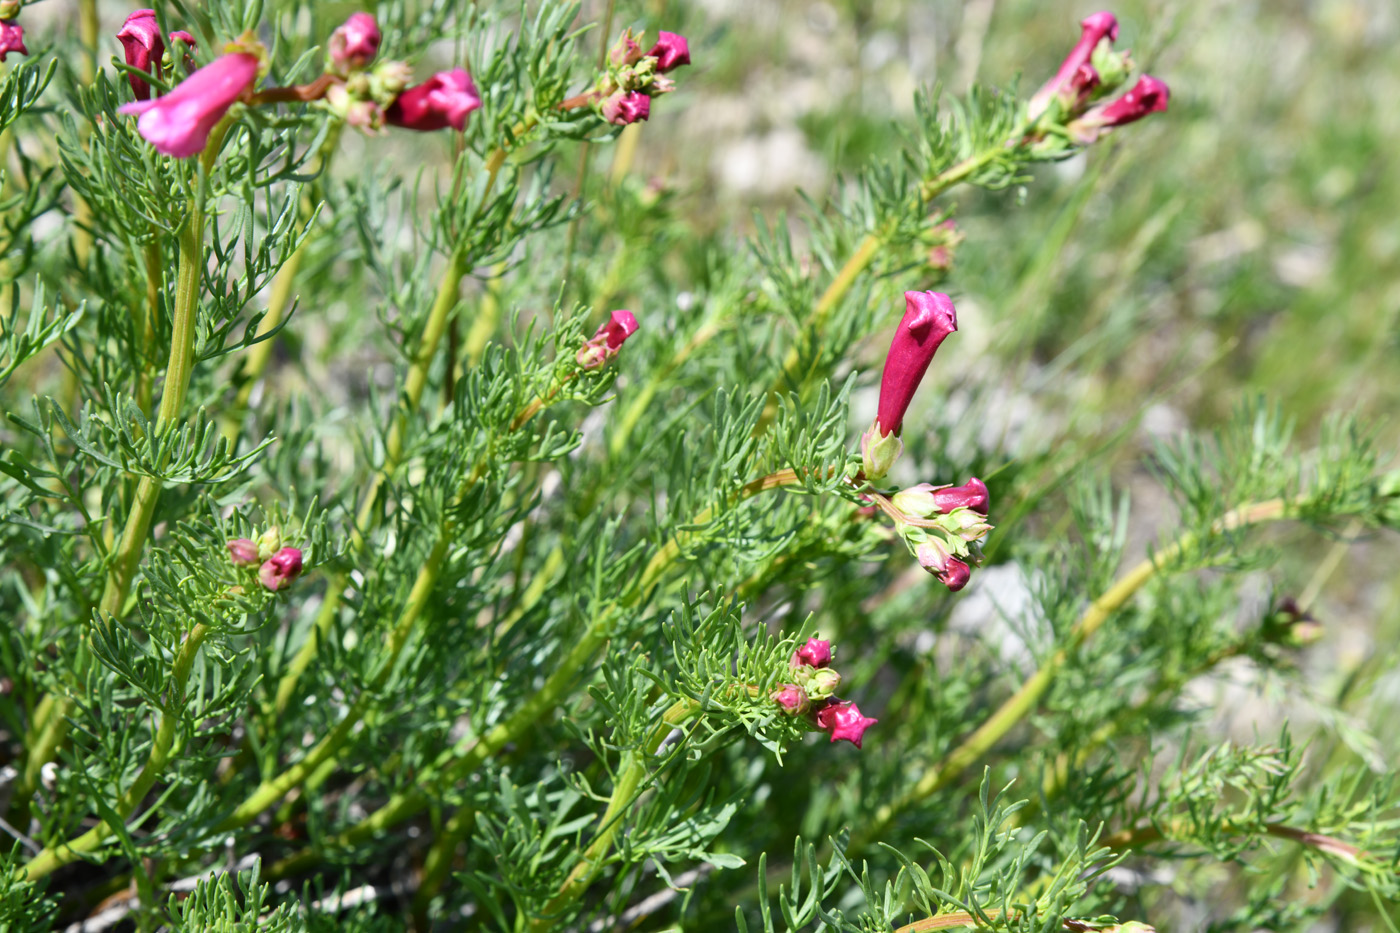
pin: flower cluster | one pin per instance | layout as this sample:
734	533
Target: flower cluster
623	93
1066	104
942	525
277	566
355	87
812	692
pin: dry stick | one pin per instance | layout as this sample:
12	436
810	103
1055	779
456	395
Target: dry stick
456	765
1023	700
51	716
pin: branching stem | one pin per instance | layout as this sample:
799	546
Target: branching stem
1015	708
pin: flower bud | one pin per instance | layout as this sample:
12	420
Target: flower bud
1093	30
608	340
443	100
625	51
355	110
934	556
822	682
269	542
11	39
670	51
9	9
243	552
1148	96
917	501
792	698
970	495
279	570
143	47
878	451
844	721
354	44
1291	625
816	653
929	317
389	79
179	123
967	524
626	107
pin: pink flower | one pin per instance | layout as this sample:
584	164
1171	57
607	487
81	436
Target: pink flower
11	40
816	653
970	495
1149	95
143	45
608	340
179	123
279	570
243	552
929	317
354	43
670	51
844	721
1094	29
443	100
934	557
792	698
623	108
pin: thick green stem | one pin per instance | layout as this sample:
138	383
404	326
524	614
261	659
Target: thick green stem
1015	708
51	726
629	778
50	859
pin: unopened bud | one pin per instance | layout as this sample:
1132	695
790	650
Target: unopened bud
269	542
879	449
816	653
354	44
792	698
822	682
243	552
279	570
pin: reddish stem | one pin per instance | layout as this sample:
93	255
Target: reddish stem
296	92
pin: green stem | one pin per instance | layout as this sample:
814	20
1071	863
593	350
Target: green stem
272	790
1135	837
52	715
455	766
53	858
624	794
1025	699
413	386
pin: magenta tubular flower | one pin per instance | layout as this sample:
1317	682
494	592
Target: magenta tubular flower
279	570
443	100
243	552
929	317
1149	95
610	337
179	123
1094	29
623	108
816	653
670	51
970	495
844	721
956	575
354	44
792	698
141	41
11	40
